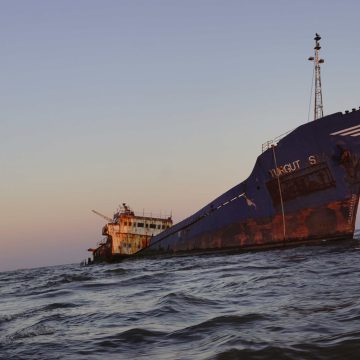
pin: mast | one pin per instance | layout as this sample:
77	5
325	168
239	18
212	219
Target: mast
318	101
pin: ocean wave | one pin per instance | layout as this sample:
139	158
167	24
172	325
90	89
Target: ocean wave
32	331
145	279
296	304
6	318
345	350
135	336
49	293
268	353
66	279
59	305
185	300
45	284
117	271
216	323
32	312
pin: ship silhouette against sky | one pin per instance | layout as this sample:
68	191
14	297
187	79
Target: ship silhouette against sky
304	187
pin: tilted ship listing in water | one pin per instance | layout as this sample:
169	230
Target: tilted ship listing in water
304	187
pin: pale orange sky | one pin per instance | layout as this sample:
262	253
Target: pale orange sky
160	104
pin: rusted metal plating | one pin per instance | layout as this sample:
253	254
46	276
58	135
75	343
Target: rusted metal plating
128	233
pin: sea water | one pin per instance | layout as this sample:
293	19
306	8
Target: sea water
297	303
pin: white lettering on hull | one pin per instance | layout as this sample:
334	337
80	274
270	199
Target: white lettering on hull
291	167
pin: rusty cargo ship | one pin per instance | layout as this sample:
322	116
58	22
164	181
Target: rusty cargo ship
304	187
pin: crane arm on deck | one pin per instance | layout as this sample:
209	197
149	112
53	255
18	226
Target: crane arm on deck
103	216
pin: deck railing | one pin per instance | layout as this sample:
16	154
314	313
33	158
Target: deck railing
273	142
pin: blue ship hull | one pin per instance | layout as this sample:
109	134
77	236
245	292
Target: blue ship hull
304	188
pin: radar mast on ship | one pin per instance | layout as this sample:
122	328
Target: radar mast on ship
318	101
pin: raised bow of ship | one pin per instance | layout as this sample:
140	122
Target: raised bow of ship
304	187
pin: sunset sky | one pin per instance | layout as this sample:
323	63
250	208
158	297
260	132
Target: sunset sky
160	104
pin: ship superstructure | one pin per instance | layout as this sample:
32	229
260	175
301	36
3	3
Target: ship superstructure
127	233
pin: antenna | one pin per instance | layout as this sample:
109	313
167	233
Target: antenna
318	102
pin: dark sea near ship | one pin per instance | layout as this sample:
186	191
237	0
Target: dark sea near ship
294	303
